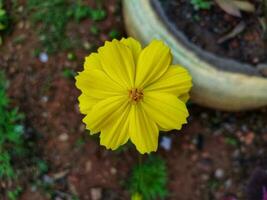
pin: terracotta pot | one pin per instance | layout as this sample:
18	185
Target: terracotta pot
219	83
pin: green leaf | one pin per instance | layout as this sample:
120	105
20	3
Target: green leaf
2	13
149	179
2	27
98	14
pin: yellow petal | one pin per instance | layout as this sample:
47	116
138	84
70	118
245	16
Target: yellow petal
118	62
176	81
153	62
92	62
116	134
86	103
184	97
165	109
134	45
105	112
96	84
143	131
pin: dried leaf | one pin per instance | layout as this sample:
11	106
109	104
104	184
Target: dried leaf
233	7
229	7
263	23
244	6
237	30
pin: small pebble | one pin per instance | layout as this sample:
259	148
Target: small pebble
88	166
82	127
96	193
249	138
87	45
45	114
63	137
43	57
166	143
34	188
228	183
205	177
113	171
219	173
44	99
48	180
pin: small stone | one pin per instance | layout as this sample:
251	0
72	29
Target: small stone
45	114
48	180
166	143
44	99
20	9
255	60
88	166
87	45
96	193
113	171
82	127
43	57
63	137
228	183
249	138
34	188
236	154
205	177
219	173
21	25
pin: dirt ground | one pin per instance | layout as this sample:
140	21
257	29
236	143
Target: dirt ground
211	158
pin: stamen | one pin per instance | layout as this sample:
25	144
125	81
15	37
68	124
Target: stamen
136	95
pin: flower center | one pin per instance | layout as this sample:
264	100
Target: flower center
136	95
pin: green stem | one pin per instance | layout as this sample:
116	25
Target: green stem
140	161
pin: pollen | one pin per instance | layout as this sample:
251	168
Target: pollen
136	95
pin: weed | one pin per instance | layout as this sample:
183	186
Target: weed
11	132
114	34
4	20
52	16
69	73
98	14
79	143
11	139
231	141
149	179
201	4
16	153
94	30
71	56
14	194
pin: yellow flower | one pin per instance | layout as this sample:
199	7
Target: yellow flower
133	93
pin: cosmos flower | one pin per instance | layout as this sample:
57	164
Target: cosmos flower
130	93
